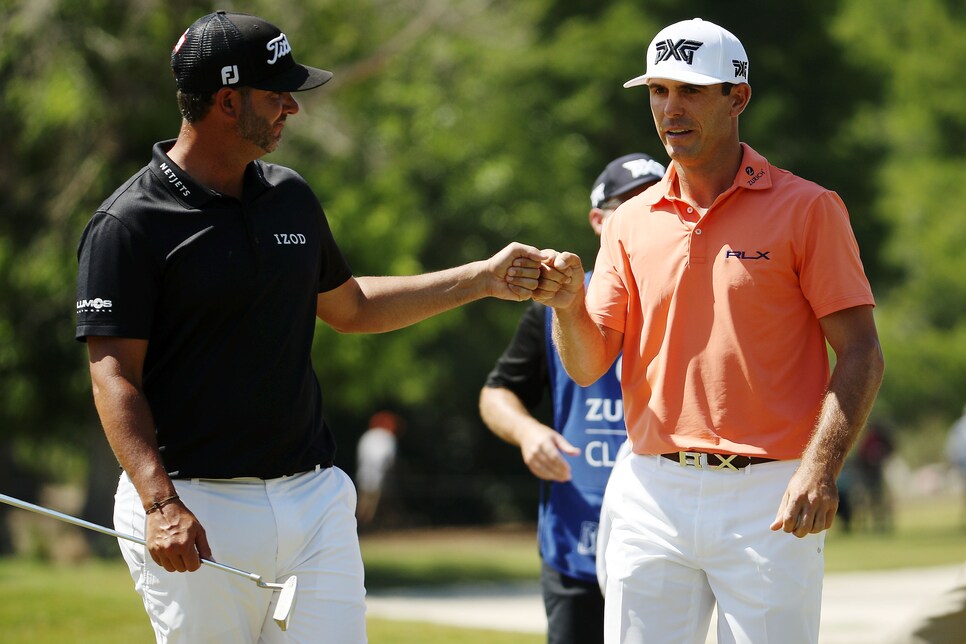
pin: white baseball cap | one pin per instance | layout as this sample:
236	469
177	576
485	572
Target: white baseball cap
697	52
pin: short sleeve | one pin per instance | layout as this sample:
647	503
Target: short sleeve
523	366
334	267
607	295
117	281
831	273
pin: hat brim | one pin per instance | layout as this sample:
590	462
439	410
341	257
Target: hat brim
681	77
295	79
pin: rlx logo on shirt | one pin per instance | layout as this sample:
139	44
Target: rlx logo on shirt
744	255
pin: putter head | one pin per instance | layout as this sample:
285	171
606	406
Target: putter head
286	603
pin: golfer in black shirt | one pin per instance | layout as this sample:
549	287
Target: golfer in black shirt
199	283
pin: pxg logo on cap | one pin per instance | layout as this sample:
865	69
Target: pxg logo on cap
696	52
225	49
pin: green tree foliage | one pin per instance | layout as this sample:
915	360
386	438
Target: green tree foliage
78	112
920	122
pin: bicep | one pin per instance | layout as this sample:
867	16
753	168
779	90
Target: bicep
112	358
613	343
850	330
340	306
500	401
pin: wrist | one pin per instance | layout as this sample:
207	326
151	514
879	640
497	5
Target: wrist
155	506
572	308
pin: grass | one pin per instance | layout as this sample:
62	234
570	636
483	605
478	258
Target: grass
927	532
89	603
450	556
94	602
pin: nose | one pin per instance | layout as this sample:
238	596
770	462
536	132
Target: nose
290	106
672	104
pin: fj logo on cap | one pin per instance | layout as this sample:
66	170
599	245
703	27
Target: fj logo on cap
681	50
741	68
279	47
229	74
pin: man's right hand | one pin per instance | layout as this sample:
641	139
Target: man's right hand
543	453
561	281
176	539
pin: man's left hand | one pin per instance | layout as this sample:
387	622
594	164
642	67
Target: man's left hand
809	504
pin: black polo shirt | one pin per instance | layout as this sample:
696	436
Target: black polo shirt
225	293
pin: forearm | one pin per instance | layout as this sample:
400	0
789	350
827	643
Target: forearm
845	409
394	302
542	448
811	498
129	427
583	348
376	304
505	415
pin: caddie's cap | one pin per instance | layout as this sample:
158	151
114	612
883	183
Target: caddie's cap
237	50
697	52
622	175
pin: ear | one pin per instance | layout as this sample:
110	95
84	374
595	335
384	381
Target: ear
740	96
228	102
596	217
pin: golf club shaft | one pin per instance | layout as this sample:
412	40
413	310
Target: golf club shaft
23	505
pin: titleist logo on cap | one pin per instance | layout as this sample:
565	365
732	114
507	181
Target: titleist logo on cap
278	47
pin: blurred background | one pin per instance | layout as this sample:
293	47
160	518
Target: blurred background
451	128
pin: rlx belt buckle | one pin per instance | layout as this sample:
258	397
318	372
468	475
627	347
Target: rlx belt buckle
694	460
690	458
723	462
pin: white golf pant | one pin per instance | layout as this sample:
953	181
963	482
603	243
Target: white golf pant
301	525
680	539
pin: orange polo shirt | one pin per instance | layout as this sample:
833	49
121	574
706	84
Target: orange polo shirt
722	348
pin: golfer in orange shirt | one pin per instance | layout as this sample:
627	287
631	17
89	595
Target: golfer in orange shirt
721	284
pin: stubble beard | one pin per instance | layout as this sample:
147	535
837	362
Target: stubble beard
257	130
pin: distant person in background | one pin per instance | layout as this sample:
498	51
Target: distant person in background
874	448
375	458
573	458
846	484
956	453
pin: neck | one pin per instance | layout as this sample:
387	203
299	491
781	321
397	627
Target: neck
703	182
215	161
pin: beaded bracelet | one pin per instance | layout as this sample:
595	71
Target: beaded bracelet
157	505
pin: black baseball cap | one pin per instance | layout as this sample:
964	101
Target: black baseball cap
622	175
226	49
